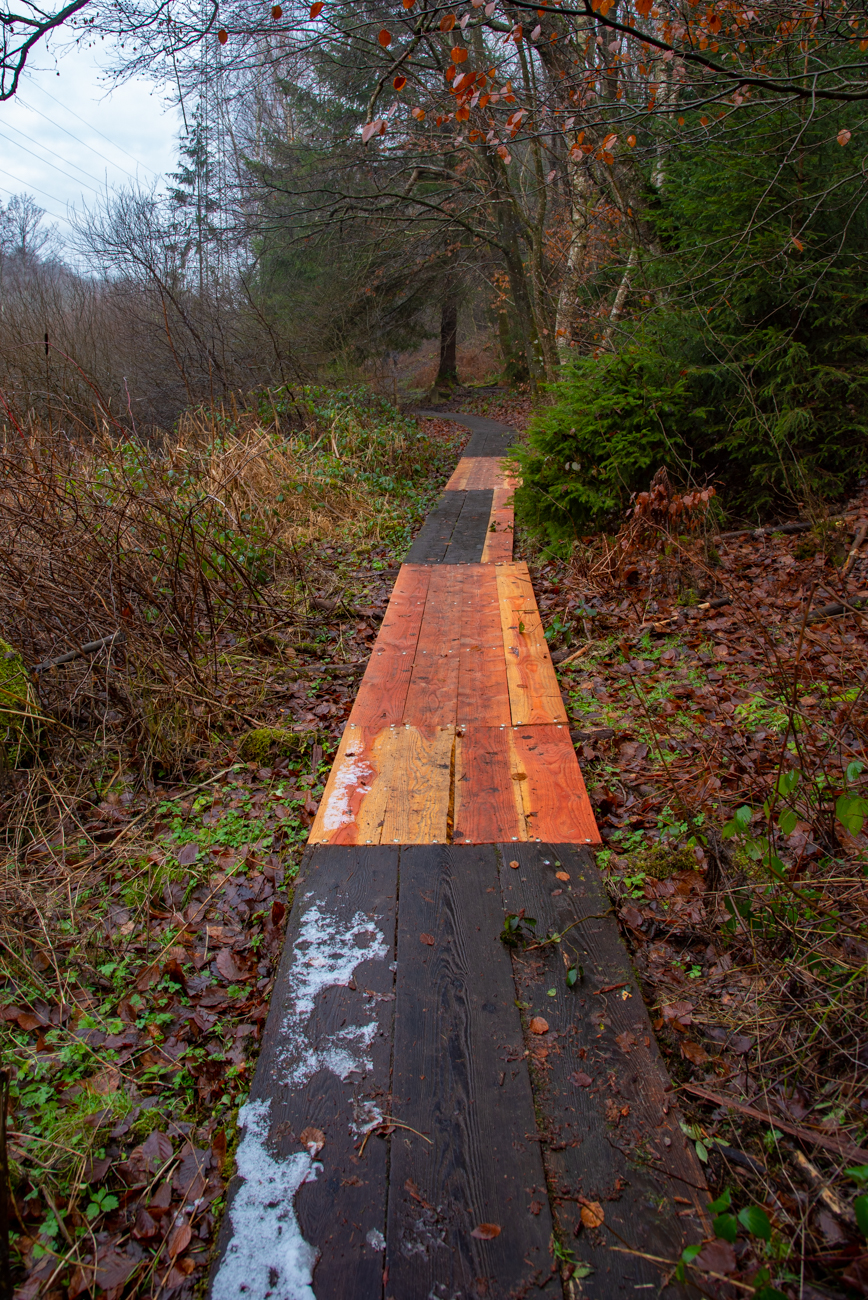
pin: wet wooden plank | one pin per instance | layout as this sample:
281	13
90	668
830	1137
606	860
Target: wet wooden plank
353	804
431	698
459	1079
383	690
468	537
610	1128
429	545
418	777
533	687
499	538
483	690
324	1065
556	803
488	800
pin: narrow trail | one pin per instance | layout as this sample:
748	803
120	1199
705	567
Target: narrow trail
431	1112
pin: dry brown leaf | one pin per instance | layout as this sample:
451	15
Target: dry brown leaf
486	1231
562	875
313	1139
538	1025
592	1215
428	939
514	865
694	1052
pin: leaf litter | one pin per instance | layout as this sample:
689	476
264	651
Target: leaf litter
716	689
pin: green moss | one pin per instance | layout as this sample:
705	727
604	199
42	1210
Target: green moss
19	725
265	742
662	862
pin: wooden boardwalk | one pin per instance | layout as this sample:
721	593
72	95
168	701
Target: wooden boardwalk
435	1116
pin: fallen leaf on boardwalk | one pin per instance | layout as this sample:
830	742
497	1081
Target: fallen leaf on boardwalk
427	938
717	1257
486	1231
562	875
580	1080
592	1215
694	1052
313	1139
514	865
538	1025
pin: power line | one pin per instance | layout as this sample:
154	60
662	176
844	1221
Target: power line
11	193
40	145
55	167
76	138
28	186
72	112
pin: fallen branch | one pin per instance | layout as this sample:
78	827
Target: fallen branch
838	607
117	638
861	534
847	1150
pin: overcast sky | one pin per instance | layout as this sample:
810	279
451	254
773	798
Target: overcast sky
63	138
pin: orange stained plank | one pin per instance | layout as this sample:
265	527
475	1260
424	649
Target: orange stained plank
418	775
488	805
391	786
384	687
499	538
476	473
534	695
483	690
353	803
556	805
502	499
432	695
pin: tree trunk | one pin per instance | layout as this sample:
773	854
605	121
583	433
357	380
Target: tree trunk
447	375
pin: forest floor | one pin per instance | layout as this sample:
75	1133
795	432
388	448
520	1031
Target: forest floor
139	947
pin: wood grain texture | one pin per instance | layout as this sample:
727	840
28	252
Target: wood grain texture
383	690
418	779
483	690
533	687
499	538
556	803
459	1079
433	690
468	537
429	545
600	1082
479	472
488	800
353	803
353	895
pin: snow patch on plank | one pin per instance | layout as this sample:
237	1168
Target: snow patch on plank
353	779
267	1258
326	953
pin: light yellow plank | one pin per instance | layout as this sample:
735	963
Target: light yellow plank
534	696
418	778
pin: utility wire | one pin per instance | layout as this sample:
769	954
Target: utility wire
132	157
55	167
77	139
28	186
68	161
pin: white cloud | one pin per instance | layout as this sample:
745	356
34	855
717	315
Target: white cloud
64	137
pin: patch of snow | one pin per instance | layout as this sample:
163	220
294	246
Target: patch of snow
376	1240
327	952
354	776
267	1258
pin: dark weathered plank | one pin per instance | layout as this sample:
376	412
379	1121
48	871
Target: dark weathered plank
324	1065
431	541
459	1079
611	1134
468	538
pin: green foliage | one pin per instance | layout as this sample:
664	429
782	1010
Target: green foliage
19	727
750	367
